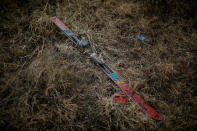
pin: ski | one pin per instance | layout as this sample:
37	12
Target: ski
129	92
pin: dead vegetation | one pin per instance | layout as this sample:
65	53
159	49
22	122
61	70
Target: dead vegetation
48	84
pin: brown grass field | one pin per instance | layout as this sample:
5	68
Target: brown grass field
46	83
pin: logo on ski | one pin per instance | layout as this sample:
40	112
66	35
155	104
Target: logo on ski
115	77
68	32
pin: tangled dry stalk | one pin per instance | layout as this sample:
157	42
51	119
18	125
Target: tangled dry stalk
48	84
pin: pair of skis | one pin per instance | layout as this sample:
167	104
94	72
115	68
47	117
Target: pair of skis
129	92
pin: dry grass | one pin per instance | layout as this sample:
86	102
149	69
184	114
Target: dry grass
48	84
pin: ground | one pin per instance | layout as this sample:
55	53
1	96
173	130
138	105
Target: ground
47	83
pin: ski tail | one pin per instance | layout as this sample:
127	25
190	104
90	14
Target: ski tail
69	33
62	26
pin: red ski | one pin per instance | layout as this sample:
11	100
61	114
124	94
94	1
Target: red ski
129	92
